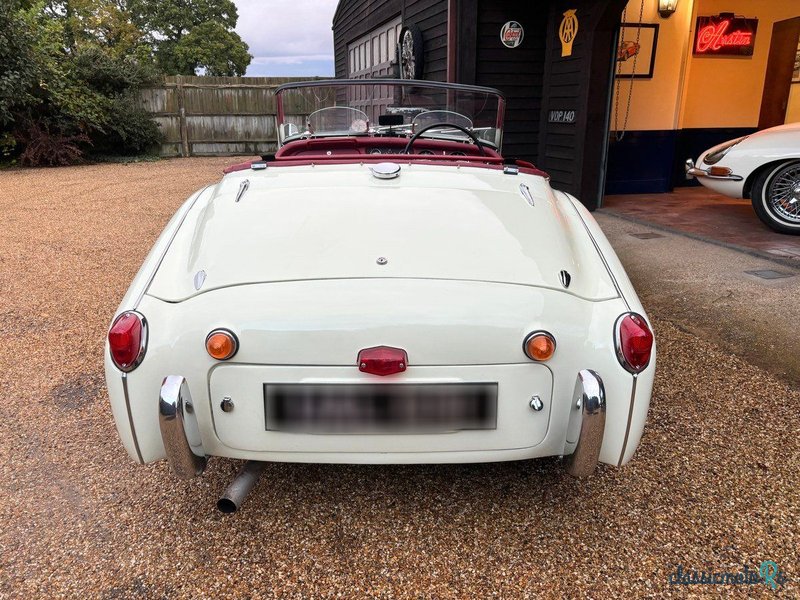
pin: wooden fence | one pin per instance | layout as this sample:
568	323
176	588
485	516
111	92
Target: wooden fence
215	116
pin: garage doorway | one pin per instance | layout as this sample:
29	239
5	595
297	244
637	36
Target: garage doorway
780	66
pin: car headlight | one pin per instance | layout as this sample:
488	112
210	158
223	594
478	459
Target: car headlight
714	157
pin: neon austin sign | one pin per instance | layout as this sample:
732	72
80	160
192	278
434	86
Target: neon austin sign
725	35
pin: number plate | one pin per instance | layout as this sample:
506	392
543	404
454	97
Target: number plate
380	408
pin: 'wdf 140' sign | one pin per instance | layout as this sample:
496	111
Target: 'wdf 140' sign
561	116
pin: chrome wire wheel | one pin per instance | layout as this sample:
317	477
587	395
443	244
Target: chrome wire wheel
410	57
782	194
407	54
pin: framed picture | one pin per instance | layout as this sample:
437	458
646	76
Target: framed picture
642	52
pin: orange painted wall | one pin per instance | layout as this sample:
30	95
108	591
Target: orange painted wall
655	102
701	92
726	92
793	109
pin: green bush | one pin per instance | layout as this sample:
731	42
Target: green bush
71	70
129	130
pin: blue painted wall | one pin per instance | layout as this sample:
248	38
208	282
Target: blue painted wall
646	162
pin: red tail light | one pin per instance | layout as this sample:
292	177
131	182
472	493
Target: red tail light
382	360
634	342
127	340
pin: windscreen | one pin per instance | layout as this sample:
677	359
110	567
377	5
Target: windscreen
355	108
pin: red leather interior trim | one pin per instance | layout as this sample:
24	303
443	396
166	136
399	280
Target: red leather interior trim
237	167
340	151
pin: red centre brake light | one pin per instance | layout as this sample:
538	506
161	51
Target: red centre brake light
634	342
382	360
127	340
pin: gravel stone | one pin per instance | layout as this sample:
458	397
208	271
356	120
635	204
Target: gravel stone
713	486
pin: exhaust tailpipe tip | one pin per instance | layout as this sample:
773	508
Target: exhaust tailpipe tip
227	506
242	484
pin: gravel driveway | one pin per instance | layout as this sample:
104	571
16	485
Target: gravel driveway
714	485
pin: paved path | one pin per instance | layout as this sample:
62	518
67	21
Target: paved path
699	212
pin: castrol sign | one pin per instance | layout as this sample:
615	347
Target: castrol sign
511	34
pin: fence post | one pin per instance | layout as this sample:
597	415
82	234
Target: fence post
182	113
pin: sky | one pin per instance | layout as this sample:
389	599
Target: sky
287	37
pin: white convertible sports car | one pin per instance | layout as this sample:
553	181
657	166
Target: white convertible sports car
386	288
764	167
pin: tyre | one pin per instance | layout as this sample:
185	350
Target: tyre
776	197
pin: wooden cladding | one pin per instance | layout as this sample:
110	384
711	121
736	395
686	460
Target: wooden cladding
359	21
557	101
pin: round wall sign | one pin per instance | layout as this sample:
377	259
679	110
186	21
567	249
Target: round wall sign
511	34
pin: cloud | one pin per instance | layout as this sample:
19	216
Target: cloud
290	60
286	33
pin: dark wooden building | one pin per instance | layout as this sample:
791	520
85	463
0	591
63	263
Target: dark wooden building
557	79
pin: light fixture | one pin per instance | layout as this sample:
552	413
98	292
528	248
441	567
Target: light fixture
667	7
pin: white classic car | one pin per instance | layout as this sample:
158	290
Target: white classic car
386	288
764	167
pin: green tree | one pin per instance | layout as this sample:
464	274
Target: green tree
193	35
18	63
77	66
212	48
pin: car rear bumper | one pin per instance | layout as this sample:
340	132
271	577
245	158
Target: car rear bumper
585	435
436	354
174	403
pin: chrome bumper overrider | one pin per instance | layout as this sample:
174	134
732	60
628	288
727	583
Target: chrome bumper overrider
693	171
173	400
587	423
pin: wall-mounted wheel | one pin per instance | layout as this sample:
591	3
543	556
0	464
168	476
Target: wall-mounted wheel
411	57
776	197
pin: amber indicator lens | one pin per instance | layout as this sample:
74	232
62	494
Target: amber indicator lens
221	344
540	346
719	171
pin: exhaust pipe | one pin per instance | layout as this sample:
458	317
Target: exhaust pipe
241	485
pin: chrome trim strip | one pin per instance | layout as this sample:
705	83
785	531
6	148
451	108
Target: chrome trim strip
172	399
167	247
630	418
591	394
130	418
597	249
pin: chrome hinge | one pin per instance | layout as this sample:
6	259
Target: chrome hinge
243	186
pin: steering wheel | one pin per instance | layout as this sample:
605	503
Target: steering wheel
472	136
